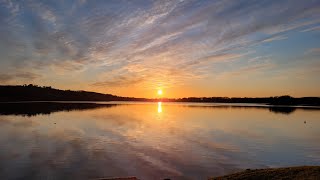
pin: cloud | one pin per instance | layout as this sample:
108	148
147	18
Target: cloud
313	51
275	38
5	78
120	81
315	28
25	76
176	40
12	6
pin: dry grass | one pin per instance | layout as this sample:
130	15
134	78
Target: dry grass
292	173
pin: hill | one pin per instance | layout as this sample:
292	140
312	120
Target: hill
38	93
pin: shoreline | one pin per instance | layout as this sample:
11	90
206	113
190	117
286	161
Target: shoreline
297	172
292	173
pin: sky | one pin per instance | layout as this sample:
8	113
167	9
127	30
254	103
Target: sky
235	48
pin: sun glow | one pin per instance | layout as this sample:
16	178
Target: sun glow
160	92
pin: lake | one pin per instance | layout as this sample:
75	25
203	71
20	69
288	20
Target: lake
62	140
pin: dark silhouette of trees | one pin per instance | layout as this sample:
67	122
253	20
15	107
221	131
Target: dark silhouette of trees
277	100
46	93
282	110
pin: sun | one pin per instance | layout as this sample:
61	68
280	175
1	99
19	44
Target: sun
159	92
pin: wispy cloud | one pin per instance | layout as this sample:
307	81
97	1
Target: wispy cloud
313	51
140	42
8	77
315	28
120	81
275	38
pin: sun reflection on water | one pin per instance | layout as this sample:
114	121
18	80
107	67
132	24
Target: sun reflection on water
159	107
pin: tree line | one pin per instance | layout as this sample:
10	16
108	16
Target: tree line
47	93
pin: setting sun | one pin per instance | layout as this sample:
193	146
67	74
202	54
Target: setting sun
159	92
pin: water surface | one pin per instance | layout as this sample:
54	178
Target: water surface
152	140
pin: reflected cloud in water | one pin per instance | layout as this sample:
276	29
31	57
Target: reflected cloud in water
192	141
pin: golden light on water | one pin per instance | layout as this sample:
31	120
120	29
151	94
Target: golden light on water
159	107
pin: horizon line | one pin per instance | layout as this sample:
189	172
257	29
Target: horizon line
160	98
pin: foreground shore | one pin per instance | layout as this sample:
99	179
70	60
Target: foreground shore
289	173
297	173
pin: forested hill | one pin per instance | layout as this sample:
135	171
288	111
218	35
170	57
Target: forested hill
37	93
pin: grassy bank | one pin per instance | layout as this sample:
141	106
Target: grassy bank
297	173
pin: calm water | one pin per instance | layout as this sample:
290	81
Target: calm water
152	140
